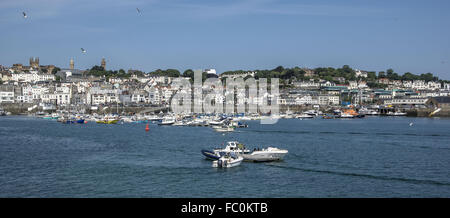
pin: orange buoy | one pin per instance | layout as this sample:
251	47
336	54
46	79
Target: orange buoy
146	128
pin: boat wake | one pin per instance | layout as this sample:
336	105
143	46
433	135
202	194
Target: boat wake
386	178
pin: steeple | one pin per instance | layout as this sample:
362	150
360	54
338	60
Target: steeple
72	65
103	64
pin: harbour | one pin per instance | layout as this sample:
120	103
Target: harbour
370	157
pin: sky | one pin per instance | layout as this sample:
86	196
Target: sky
405	35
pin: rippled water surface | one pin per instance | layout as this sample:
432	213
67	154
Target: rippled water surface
371	157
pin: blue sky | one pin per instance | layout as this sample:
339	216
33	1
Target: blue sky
407	36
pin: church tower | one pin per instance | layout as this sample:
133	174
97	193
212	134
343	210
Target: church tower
103	64
72	64
34	63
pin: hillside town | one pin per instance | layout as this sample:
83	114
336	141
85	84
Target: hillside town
35	88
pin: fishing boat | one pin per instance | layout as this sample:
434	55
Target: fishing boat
228	160
264	155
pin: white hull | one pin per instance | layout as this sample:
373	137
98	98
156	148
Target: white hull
227	162
262	156
224	129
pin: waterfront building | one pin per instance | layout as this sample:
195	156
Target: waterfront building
6	94
406	101
328	100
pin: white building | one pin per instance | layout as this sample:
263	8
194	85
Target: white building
6	94
405	101
434	85
32	77
419	85
328	100
305	100
210	71
359	73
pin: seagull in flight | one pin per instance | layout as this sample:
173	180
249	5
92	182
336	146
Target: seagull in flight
139	11
83	51
411	124
24	15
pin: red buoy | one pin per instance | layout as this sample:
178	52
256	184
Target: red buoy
146	128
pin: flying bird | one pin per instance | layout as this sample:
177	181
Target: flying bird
139	11
24	15
411	124
83	51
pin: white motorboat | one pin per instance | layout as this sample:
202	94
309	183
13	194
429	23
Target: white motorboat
346	115
304	116
397	113
224	129
216	122
267	154
228	160
233	146
167	121
152	118
180	123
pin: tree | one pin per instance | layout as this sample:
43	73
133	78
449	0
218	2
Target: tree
427	77
408	77
371	75
279	69
188	73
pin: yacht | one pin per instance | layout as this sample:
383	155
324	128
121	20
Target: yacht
267	154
